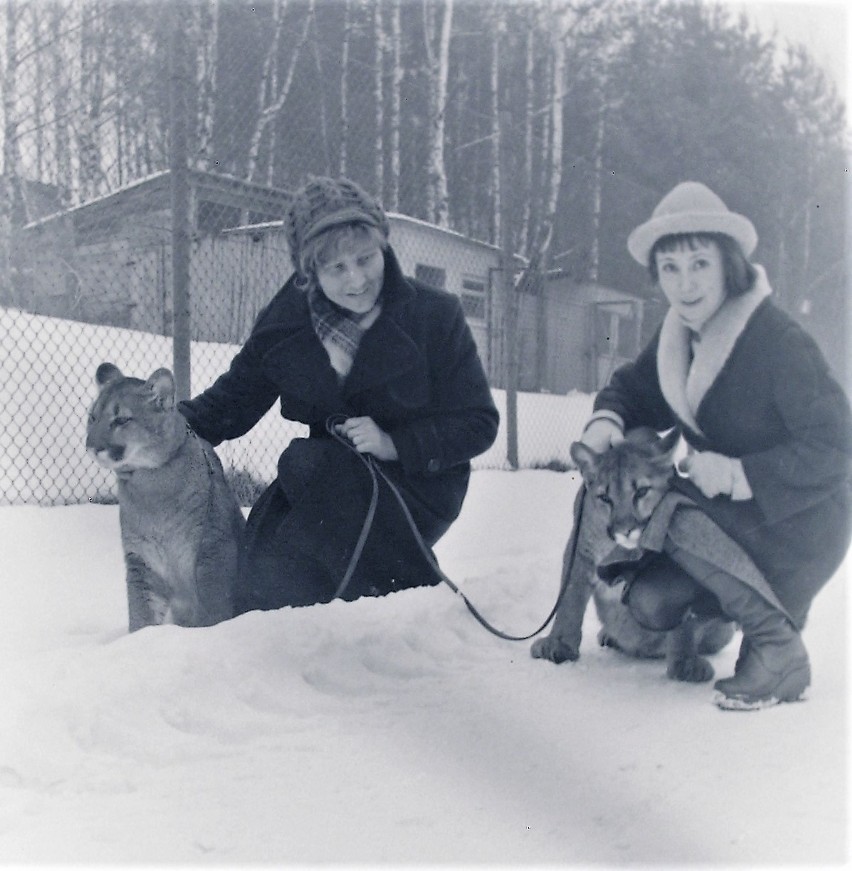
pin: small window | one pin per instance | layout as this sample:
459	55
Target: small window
433	275
473	297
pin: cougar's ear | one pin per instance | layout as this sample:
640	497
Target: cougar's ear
107	372
586	460
668	442
162	385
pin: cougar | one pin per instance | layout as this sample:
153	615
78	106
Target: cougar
623	487
181	527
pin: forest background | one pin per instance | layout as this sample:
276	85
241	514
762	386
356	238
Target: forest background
601	105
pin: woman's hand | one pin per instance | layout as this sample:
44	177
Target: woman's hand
716	475
601	434
368	437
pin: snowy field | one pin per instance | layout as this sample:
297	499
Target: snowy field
393	731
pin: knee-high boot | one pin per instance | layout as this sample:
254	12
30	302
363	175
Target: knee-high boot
775	667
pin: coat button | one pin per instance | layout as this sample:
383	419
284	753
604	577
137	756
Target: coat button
433	466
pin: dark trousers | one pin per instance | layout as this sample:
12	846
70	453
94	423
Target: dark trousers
302	532
661	593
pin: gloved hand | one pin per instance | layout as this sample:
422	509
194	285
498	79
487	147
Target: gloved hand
601	434
716	475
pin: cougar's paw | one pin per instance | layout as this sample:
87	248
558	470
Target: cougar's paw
607	640
553	649
692	669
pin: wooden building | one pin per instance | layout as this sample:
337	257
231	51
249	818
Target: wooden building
109	261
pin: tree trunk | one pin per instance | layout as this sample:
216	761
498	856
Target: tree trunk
267	89
206	40
396	106
554	170
11	155
529	120
344	88
437	198
60	115
321	104
499	25
39	91
91	87
272	95
379	97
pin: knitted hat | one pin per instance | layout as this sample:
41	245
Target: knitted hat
690	207
326	202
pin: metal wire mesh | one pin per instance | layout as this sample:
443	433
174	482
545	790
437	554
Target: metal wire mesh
271	93
47	368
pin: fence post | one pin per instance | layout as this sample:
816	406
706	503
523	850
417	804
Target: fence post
178	106
510	296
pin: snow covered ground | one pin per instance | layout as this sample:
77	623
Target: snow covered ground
390	731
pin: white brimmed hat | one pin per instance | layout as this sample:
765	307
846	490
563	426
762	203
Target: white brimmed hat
691	207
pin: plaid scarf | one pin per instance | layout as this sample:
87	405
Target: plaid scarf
339	329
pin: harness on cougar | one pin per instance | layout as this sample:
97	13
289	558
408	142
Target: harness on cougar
375	471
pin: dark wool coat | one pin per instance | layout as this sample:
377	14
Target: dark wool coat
759	390
418	375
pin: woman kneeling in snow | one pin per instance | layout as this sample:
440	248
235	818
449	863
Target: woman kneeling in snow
352	348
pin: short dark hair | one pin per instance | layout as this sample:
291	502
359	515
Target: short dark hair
740	274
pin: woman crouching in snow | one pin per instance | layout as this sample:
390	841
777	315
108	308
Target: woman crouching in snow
769	437
379	366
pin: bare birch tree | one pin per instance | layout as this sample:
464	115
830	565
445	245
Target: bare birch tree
11	150
39	91
267	87
344	87
498	30
61	136
438	63
205	36
90	168
272	93
609	43
529	124
379	95
396	105
321	100
553	173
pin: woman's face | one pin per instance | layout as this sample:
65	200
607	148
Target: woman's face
353	276
693	281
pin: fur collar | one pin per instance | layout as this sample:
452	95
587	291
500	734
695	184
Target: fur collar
687	366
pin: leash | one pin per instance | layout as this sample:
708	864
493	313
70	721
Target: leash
376	472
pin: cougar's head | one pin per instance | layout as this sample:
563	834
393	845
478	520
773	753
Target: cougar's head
132	423
628	480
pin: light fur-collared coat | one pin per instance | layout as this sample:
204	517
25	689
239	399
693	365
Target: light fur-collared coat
755	387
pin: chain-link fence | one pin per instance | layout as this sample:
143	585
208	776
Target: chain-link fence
137	133
47	363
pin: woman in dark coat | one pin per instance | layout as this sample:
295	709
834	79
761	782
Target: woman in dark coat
769	437
390	365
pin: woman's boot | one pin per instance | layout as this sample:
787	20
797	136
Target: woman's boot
775	666
774	669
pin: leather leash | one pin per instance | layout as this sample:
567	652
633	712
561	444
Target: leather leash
375	471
